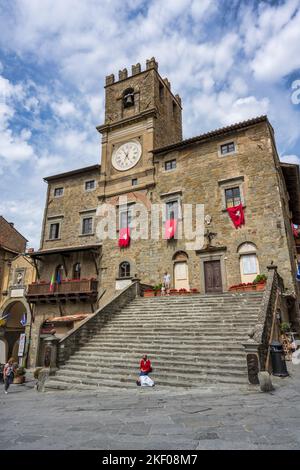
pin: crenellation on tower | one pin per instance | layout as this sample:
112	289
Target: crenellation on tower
151	64
109	79
167	83
123	74
136	69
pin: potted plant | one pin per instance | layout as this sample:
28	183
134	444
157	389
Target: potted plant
149	293
19	377
173	291
182	291
260	281
194	291
285	327
157	289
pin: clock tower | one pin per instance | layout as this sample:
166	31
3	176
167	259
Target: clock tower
141	114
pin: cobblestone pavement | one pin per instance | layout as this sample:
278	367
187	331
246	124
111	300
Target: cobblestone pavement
204	418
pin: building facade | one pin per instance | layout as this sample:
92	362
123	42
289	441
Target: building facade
146	164
16	273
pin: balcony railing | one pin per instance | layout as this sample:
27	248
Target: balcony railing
77	289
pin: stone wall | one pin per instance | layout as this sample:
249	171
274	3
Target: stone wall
199	178
10	237
69	209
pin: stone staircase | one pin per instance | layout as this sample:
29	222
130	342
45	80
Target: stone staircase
190	340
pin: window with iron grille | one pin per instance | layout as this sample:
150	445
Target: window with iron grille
54	231
227	148
134	181
232	196
87	225
170	165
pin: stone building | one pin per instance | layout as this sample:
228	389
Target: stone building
145	159
16	272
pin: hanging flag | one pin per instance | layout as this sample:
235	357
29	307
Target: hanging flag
23	320
295	229
51	288
236	214
170	228
124	237
298	273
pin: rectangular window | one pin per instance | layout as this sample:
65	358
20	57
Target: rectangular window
249	264
232	196
54	231
87	225
58	192
90	185
172	210
134	181
125	218
170	165
227	148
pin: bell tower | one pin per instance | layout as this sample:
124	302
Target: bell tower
141	114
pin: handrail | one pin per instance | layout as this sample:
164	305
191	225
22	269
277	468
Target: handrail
81	333
263	331
272	329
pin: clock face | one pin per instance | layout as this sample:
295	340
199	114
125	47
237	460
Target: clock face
127	155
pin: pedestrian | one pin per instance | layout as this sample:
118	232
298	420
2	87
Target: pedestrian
167	282
8	374
145	368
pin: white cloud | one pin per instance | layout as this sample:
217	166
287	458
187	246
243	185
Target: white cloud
279	52
290	159
64	109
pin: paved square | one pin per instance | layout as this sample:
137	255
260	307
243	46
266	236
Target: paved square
202	418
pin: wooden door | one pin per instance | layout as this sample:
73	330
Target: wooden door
213	277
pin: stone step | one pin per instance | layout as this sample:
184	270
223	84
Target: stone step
122	376
164	381
195	330
138	350
133	365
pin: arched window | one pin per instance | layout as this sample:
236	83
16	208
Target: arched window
248	262
76	271
124	269
128	98
59	273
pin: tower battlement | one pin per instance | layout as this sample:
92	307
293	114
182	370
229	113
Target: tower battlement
135	70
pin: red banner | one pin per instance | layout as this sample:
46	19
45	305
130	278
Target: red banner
236	214
170	228
124	237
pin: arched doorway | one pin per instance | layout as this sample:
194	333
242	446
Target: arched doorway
181	270
15	315
249	265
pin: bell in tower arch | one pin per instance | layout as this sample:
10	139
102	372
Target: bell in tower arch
128	98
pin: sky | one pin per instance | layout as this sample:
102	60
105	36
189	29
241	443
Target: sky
229	60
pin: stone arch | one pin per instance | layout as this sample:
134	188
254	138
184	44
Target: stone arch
180	256
16	308
10	303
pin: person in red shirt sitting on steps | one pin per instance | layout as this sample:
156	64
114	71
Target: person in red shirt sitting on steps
145	367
